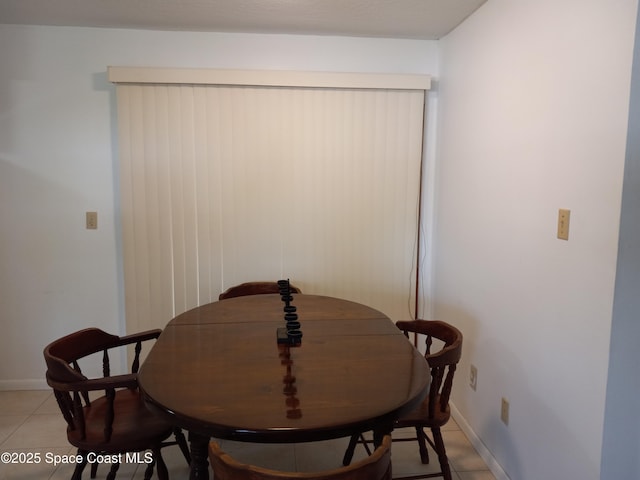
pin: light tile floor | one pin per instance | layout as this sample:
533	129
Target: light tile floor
30	423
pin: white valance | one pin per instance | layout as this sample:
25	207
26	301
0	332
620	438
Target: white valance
268	78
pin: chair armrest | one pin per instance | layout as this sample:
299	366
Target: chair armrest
129	380
140	336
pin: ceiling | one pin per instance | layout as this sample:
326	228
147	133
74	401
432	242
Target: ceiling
419	19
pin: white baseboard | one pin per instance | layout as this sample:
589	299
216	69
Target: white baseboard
33	384
480	447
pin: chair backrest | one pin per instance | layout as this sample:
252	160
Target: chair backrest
254	288
62	355
71	387
443	362
374	467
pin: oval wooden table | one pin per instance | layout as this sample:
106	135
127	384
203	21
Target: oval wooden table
218	371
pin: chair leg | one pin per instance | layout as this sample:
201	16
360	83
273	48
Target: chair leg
182	443
422	445
161	467
148	472
77	472
348	455
113	471
442	453
94	470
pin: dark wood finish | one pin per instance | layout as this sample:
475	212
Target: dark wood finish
199	462
254	288
116	422
375	467
433	412
262	308
218	372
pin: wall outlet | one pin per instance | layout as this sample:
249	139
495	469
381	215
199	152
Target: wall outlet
473	377
504	411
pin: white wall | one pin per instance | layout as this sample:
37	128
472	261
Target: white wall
533	109
58	160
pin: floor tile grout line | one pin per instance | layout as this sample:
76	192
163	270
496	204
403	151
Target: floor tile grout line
26	417
46	399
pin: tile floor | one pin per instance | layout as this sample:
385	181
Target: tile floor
30	422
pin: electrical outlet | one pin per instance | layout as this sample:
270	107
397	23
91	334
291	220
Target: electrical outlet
473	377
504	411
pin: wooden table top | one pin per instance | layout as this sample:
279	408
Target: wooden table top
218	371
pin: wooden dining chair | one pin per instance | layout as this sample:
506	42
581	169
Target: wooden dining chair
377	466
254	288
106	415
434	410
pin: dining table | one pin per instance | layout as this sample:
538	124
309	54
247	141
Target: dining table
225	370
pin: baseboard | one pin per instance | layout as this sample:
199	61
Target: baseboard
480	447
33	384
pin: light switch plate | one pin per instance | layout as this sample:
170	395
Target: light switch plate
563	223
504	411
92	220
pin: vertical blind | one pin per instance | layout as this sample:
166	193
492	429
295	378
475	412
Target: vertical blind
222	184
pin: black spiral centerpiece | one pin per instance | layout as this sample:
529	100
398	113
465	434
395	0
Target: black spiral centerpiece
291	334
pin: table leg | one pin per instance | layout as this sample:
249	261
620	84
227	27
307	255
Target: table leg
199	457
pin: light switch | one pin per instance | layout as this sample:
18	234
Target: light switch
92	220
563	224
